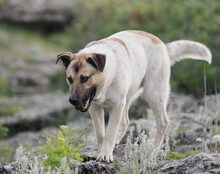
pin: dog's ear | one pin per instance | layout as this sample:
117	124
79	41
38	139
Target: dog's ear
66	58
97	61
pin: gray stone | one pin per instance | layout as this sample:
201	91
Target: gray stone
39	111
37	11
183	103
200	163
33	78
91	166
138	126
32	137
9	168
139	108
191	129
212	102
185	148
216	139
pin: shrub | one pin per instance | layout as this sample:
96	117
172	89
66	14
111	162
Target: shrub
59	146
142	156
60	151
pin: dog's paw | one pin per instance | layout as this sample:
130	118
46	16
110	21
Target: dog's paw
105	157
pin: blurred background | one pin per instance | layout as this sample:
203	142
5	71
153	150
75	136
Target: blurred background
33	90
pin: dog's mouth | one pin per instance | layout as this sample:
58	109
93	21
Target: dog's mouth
87	101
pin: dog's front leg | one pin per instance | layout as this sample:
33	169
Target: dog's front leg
109	139
97	115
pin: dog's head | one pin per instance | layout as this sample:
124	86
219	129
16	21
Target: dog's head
84	75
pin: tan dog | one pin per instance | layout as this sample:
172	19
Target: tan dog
113	71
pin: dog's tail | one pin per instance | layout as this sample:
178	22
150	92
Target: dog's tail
183	49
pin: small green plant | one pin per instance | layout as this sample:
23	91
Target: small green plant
60	151
59	146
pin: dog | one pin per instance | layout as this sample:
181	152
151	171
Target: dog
112	72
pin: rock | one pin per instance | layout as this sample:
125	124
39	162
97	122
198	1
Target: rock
50	13
189	129
177	103
38	111
32	137
139	108
138	126
185	148
212	102
91	166
9	168
200	163
33	78
216	140
182	103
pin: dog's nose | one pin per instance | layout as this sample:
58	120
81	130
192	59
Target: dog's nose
73	100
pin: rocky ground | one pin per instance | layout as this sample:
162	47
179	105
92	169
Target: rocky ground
187	127
37	106
193	122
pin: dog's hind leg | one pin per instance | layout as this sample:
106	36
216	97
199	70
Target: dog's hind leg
156	93
158	105
97	115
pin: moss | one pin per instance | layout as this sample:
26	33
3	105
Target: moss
179	156
182	128
176	156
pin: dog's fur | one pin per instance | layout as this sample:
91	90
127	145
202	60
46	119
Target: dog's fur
112	72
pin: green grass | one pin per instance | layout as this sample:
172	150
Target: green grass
179	156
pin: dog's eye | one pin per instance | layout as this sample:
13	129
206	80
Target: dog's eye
70	80
83	79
